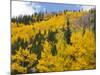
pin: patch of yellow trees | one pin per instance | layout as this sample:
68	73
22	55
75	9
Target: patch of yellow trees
55	55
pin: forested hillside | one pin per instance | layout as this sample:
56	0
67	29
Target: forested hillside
50	42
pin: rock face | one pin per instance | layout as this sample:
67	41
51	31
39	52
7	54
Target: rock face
32	70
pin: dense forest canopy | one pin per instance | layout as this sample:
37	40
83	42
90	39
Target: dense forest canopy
57	41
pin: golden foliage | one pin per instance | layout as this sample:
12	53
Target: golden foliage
22	60
79	55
